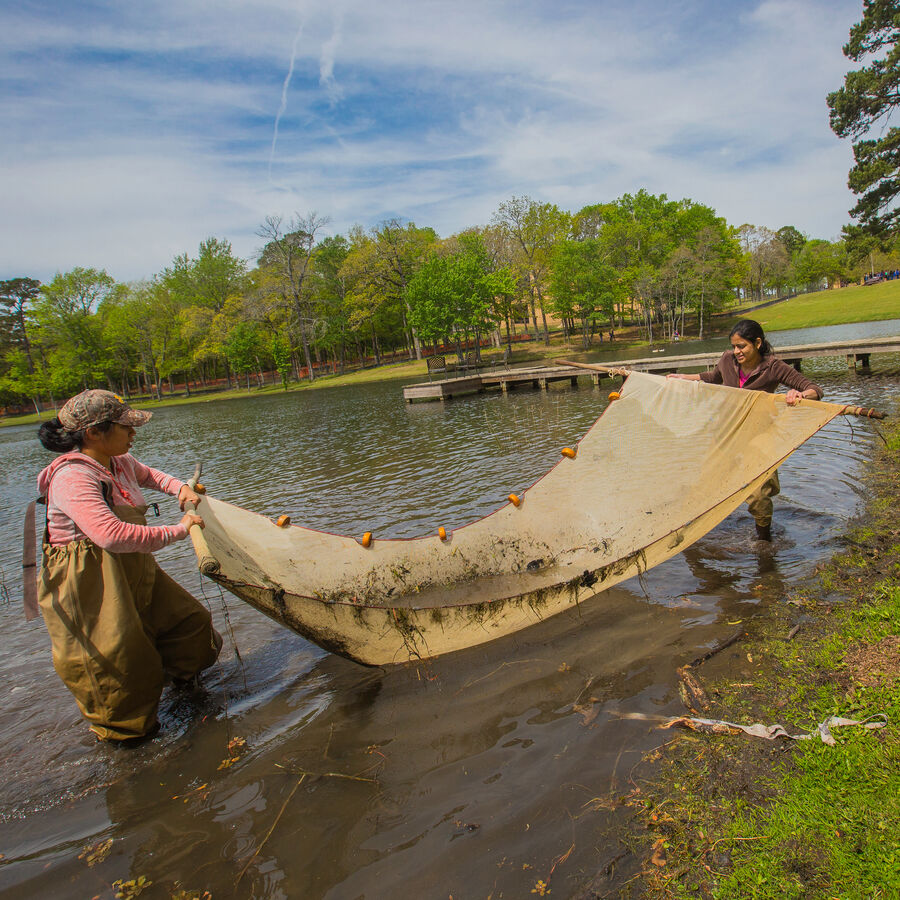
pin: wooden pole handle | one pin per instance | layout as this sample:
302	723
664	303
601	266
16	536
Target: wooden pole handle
206	562
863	412
594	367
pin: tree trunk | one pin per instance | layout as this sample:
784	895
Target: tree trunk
375	348
310	374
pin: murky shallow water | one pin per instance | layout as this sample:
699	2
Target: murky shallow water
486	766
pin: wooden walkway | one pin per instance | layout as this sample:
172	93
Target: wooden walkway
856	352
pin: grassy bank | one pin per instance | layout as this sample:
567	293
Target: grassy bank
728	816
850	304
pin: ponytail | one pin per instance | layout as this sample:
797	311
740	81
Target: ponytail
53	435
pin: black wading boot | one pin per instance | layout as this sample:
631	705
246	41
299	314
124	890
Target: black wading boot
763	532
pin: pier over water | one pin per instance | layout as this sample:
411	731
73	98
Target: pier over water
857	353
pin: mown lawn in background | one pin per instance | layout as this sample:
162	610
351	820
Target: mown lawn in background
856	303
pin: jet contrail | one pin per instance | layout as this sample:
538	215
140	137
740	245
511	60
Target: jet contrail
284	93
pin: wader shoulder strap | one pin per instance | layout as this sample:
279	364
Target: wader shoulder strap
29	552
29	563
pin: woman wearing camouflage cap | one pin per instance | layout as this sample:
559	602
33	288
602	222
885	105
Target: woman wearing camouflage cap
118	623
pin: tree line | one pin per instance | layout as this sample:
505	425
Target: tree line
314	302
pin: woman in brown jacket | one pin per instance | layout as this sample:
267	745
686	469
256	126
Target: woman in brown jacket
751	364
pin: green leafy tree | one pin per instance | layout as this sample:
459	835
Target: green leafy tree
865	103
791	239
453	292
637	234
122	337
288	255
242	347
201	338
820	261
766	260
209	281
21	380
433	307
534	229
330	288
137	330
583	284
716	268
65	315
364	297
503	287
280	351
399	252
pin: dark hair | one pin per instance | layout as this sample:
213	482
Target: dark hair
750	330
54	436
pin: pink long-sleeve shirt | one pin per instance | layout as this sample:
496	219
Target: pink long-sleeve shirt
76	508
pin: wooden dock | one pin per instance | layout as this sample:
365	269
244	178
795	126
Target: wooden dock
856	352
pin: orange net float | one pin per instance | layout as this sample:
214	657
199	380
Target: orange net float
515	499
367	539
442	533
614	395
569	452
283	521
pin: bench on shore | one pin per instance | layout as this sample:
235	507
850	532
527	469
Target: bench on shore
436	365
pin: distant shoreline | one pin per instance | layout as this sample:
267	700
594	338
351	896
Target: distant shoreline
842	306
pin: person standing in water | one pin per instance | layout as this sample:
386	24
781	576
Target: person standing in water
118	623
751	364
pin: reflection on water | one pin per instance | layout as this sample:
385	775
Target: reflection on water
469	775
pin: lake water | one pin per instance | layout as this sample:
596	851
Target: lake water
472	775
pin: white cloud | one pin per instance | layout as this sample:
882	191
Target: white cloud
132	136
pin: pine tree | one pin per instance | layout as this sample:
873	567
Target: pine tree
866	100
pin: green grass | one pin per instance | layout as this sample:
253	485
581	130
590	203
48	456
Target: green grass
831	828
850	304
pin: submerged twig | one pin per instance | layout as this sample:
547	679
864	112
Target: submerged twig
304	773
501	666
724	645
256	852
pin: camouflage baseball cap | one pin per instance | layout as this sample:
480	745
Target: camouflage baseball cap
93	407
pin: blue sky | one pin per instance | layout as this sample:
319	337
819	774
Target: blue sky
133	131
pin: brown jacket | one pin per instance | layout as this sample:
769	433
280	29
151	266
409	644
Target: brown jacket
770	372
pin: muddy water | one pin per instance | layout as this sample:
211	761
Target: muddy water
472	775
